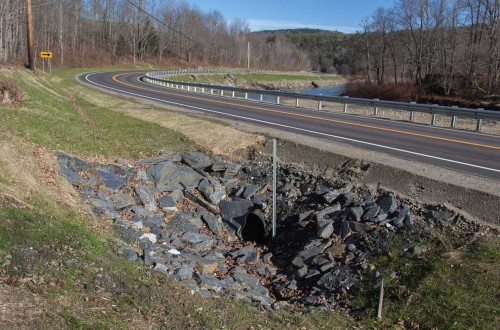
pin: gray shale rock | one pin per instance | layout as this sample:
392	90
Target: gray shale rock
169	177
196	160
325	229
212	190
146	198
246	254
388	203
121	200
213	223
185	222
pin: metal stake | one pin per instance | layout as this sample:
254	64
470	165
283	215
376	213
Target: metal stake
275	155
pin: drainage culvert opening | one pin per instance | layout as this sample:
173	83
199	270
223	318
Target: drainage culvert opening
254	228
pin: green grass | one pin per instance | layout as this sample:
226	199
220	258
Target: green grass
451	286
56	233
61	120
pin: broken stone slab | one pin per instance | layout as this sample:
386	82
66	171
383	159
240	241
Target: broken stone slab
246	254
194	238
74	178
167	203
336	250
398	220
234	213
355	214
359	226
150	237
213	223
73	163
239	274
159	159
329	210
250	190
196	160
370	213
121	200
332	195
182	274
212	208
441	216
167	176
111	180
325	229
205	245
344	229
387	203
212	190
185	222
232	170
146	198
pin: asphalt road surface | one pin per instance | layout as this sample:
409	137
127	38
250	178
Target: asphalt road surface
463	151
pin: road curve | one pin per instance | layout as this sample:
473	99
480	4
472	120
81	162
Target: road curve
464	151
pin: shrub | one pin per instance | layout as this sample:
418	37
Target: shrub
10	92
404	92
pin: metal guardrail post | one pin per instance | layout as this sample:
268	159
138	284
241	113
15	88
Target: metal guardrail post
375	108
479	124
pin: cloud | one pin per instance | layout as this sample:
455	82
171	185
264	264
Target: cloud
259	24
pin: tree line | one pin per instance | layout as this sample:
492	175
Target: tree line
451	46
86	32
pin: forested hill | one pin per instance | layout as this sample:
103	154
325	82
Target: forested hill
325	48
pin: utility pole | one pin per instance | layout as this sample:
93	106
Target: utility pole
29	28
248	55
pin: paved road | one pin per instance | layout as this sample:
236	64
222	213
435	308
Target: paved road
459	150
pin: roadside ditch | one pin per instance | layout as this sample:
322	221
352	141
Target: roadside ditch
205	222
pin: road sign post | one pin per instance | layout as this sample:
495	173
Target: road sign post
48	56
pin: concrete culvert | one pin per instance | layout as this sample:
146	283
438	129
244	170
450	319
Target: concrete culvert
254	228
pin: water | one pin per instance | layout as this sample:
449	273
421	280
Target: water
325	91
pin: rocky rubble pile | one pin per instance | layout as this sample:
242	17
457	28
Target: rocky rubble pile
205	222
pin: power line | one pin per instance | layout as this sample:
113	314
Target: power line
165	24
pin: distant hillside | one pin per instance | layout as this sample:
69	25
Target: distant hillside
326	49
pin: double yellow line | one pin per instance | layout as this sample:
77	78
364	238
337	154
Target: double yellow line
433	137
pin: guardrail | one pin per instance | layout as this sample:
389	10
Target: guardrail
227	71
276	97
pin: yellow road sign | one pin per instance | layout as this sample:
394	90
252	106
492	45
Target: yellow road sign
45	54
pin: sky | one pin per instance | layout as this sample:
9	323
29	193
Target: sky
339	15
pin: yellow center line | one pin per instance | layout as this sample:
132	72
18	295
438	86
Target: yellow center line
115	78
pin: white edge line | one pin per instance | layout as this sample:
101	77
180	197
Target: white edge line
354	115
295	128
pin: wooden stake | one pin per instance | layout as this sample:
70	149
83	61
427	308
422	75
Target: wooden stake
380	300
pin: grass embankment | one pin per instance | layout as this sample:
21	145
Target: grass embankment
58	268
254	77
451	284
